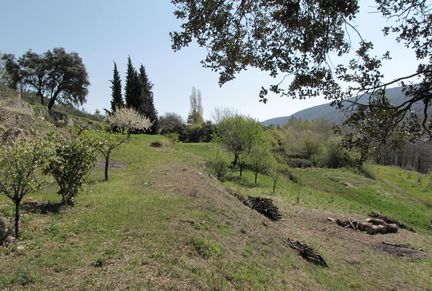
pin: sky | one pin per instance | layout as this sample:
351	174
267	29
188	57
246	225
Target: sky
104	31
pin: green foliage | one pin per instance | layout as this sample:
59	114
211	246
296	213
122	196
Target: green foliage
73	159
206	248
260	156
56	74
19	170
132	87
237	135
116	95
147	107
219	165
295	38
195	117
105	143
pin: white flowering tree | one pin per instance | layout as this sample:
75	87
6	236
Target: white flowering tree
127	120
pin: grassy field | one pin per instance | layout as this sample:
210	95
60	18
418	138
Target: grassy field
161	222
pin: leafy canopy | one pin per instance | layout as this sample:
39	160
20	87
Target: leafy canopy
301	42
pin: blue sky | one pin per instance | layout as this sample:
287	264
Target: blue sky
103	31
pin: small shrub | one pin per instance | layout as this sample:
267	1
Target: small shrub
205	248
219	166
22	277
72	161
99	262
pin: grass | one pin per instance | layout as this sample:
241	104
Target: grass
161	223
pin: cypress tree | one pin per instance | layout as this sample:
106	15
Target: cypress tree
132	87
117	99
147	101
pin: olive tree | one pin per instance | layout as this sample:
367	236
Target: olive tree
20	166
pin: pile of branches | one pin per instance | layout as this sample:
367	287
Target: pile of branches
391	221
305	252
371	226
264	206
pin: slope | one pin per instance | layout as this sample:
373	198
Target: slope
161	222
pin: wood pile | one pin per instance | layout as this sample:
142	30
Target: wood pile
263	205
371	225
391	221
305	252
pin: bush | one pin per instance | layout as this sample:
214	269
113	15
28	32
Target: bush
206	248
219	166
299	163
72	161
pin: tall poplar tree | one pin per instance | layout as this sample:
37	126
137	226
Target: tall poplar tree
147	102
117	99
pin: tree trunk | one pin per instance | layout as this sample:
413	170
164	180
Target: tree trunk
41	97
241	170
234	163
106	166
51	103
17	219
256	178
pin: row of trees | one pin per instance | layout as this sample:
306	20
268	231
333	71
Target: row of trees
138	94
273	150
68	159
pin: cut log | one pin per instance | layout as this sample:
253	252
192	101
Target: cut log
376	221
390	220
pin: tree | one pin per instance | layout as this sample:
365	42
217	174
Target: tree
147	102
56	74
128	120
171	122
195	116
117	99
132	87
237	134
19	170
259	158
9	71
106	143
73	159
300	39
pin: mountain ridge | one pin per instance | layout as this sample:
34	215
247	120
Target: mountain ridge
331	114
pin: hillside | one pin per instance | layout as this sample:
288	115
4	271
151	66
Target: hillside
331	114
162	222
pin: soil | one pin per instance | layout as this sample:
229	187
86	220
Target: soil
401	250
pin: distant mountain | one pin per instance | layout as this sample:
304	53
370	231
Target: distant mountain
327	112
